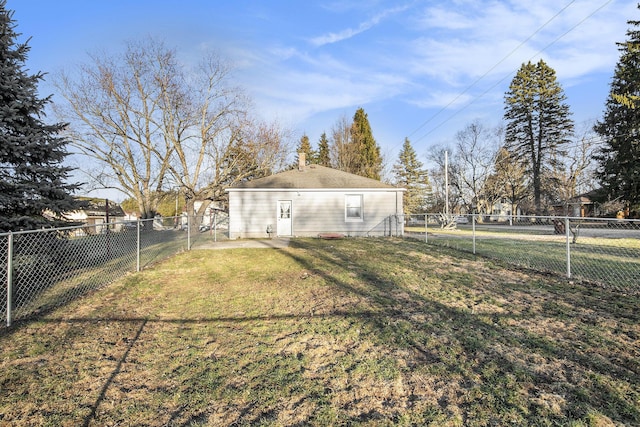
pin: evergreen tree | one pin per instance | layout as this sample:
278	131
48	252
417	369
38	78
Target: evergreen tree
409	173
619	159
305	147
369	161
538	122
324	158
32	178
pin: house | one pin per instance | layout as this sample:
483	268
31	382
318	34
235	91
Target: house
582	206
312	200
501	211
95	213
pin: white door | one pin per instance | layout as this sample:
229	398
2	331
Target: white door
284	218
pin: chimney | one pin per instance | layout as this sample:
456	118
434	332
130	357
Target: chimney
302	161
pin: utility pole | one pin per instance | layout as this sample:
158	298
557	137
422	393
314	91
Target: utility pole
446	183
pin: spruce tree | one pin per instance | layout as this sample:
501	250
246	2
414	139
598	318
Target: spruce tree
324	158
538	123
305	147
619	159
33	188
369	160
409	173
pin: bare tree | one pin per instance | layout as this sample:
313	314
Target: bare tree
153	123
578	173
476	148
113	107
442	193
508	180
343	153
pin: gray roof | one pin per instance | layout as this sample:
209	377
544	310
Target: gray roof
314	177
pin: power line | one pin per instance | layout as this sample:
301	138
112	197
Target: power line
506	76
490	69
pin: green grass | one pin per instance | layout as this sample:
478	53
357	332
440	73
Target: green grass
610	261
68	270
348	332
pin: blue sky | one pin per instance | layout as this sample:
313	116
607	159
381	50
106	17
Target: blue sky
422	69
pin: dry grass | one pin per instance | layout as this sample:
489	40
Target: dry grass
351	332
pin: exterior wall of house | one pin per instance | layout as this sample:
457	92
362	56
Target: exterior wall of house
313	212
502	212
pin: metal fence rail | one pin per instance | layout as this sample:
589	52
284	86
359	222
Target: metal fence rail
47	268
603	251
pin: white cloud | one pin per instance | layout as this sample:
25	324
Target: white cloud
298	94
496	38
457	59
347	33
441	99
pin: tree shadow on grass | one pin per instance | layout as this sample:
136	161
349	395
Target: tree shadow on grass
491	357
116	371
486	340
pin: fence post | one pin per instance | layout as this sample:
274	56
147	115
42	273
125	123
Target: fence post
10	279
426	228
138	245
473	228
567	232
188	232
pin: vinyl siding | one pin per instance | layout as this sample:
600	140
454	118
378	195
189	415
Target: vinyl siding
313	212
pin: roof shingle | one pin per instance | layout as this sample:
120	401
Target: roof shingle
313	176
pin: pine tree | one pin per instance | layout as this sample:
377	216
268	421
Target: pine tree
369	161
538	122
619	159
409	173
324	158
32	178
305	147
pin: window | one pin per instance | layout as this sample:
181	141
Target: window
353	207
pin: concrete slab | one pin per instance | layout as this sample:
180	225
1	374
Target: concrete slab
277	243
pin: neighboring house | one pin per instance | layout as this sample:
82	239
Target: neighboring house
96	213
131	216
579	206
211	212
313	200
501	211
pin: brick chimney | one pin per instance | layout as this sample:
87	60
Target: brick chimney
302	161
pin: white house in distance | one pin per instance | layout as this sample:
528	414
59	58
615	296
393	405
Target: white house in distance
96	213
313	200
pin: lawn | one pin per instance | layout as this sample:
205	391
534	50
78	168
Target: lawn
614	262
346	332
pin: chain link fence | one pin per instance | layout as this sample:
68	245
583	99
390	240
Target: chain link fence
47	268
44	269
603	251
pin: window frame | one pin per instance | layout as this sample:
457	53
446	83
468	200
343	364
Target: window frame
347	206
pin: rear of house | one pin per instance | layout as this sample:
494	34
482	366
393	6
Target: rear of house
313	200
